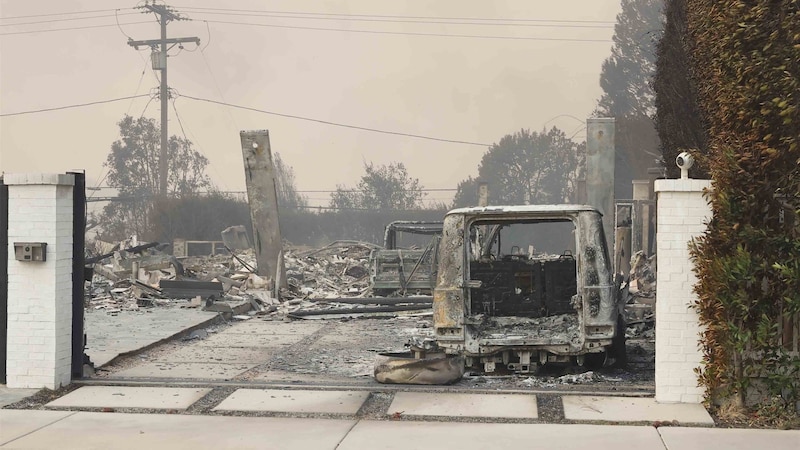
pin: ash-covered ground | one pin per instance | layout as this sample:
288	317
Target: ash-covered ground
270	344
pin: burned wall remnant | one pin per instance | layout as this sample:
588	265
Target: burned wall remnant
263	199
600	149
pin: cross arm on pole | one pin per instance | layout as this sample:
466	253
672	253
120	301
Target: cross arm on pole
152	42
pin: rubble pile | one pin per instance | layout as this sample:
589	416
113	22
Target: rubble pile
640	307
336	270
330	282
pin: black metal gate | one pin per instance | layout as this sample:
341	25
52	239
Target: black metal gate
78	255
3	279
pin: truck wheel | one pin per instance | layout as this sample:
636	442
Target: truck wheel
595	361
618	350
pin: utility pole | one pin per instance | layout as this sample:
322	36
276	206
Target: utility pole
159	60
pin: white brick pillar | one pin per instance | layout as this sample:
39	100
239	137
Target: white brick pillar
40	292
682	215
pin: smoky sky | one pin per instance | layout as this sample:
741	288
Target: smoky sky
459	88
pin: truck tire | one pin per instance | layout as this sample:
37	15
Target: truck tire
595	361
402	368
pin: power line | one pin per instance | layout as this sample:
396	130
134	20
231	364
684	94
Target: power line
116	19
542	24
147	105
72	106
404	33
563	115
97	186
62	20
61	14
72	28
214	78
576	133
165	15
336	124
136	92
399	16
199	147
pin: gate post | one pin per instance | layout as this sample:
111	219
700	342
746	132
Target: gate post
682	215
39	280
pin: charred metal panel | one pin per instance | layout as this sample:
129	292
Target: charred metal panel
448	308
411	227
451	253
393	270
560	284
508	288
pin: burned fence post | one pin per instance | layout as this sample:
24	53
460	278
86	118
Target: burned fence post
263	200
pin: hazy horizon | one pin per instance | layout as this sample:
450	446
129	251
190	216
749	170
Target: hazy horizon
460	88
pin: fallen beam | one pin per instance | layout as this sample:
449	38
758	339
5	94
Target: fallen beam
149	290
137	249
422	300
190	289
366	310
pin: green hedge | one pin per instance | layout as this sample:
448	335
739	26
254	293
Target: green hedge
745	64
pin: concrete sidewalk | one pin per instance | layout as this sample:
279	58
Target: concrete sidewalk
92	430
452	406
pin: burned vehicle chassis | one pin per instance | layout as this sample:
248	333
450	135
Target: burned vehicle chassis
522	310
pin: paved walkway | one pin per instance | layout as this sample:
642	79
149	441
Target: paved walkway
111	335
9	396
93	430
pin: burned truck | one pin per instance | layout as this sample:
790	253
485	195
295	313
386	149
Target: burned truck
519	287
408	259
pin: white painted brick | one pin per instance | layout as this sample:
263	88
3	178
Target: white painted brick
15	371
40	292
692	397
682	214
670	220
676	342
14	340
670	382
675	325
678	309
668	397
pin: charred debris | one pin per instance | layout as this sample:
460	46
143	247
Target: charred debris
332	282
